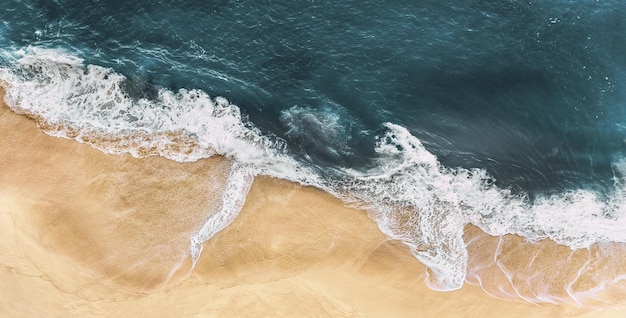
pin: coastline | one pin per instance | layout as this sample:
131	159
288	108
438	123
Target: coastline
90	234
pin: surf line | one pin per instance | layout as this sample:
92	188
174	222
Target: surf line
238	185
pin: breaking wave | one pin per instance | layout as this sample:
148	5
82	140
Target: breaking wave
412	196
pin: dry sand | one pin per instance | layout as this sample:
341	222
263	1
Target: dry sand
85	234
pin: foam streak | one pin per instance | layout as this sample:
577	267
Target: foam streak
237	187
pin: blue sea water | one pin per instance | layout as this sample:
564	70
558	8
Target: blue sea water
509	112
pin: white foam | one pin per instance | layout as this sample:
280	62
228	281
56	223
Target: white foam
88	103
233	198
413	197
414	201
426	205
61	90
91	100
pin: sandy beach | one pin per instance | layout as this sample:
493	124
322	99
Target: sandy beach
83	233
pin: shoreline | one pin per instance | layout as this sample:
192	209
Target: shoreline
91	234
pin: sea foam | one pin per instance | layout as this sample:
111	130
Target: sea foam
417	200
237	186
413	197
89	103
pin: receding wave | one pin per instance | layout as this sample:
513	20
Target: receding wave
426	205
413	197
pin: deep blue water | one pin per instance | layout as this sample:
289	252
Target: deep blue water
531	91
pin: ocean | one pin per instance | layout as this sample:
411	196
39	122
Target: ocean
507	115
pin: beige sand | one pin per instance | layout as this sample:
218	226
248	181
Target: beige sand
88	234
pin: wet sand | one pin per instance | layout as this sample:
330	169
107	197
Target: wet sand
84	233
